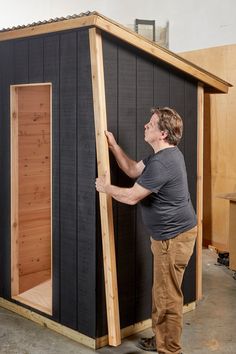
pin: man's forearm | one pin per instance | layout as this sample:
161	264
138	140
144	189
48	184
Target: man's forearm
123	195
126	164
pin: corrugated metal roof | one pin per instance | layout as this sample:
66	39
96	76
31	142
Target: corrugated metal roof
56	19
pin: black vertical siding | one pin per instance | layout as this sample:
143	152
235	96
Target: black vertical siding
177	100
51	74
68	187
6	78
140	85
62	59
36	60
125	222
143	263
161	86
86	194
21	62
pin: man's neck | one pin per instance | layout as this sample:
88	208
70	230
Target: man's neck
161	146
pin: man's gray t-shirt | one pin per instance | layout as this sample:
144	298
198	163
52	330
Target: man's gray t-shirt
168	211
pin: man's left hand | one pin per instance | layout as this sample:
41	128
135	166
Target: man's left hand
101	183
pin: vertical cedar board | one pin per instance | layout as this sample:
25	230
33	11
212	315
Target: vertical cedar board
105	200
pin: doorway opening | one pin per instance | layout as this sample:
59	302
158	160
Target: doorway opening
31	196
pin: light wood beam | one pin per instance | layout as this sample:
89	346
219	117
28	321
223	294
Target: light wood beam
200	120
108	242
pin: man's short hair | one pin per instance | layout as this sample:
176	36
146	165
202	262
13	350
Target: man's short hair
170	122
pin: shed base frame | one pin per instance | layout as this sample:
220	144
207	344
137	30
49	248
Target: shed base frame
77	336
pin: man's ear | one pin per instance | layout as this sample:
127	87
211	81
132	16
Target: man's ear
164	133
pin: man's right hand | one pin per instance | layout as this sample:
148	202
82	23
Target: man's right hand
110	139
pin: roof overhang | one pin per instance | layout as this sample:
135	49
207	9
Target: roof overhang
212	83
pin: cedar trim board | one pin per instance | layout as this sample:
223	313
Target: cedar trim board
200	120
213	84
103	164
71	333
14	193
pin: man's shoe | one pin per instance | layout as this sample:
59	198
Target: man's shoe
148	344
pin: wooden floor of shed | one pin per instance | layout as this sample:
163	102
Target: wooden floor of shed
39	297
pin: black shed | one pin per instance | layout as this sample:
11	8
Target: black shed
51	264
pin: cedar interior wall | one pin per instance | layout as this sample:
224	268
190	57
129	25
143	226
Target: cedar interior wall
134	84
64	60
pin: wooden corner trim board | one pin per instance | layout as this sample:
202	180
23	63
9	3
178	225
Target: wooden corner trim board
200	122
43	321
213	83
14	192
108	242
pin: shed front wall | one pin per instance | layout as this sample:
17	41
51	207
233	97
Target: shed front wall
134	83
62	59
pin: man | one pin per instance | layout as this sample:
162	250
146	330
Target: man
167	212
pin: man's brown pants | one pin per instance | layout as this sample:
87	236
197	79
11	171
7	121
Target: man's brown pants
170	260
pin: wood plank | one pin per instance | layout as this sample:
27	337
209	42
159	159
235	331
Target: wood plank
14	193
105	201
31	280
200	157
48	323
39	297
110	59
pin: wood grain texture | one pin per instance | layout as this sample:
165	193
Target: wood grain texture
219	143
200	181
103	165
31	194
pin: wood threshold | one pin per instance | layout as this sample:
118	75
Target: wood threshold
38	297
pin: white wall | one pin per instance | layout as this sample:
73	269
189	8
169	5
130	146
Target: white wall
193	24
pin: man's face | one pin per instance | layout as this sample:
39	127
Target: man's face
152	132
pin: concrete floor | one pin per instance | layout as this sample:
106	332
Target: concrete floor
210	328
